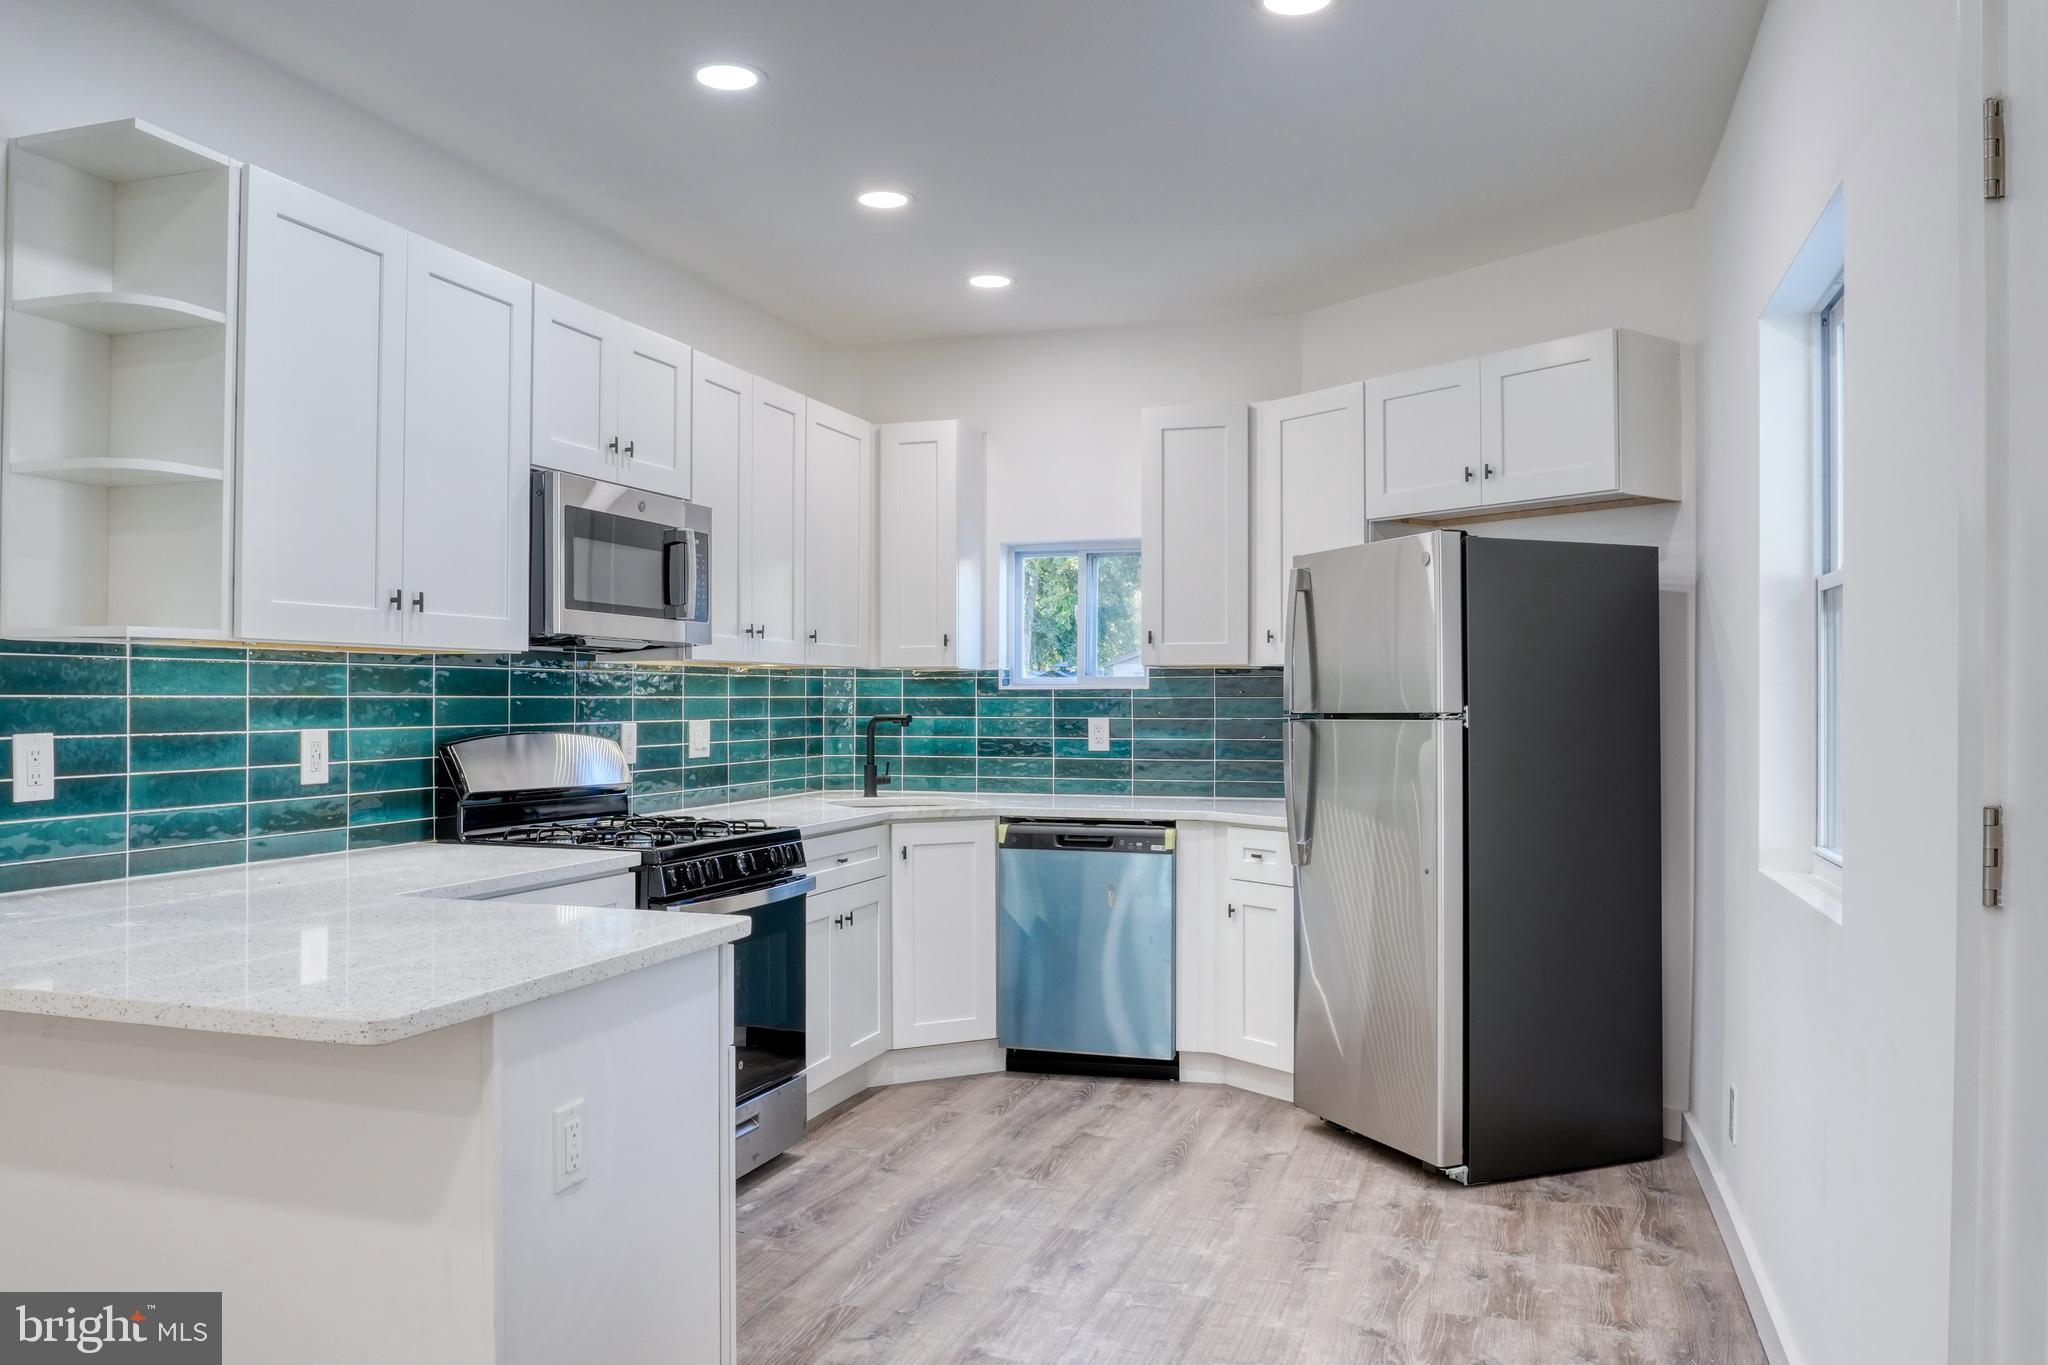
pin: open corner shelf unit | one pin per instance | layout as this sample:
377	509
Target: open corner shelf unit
117	473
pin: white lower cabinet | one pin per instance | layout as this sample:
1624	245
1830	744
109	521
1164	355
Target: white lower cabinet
846	973
1255	975
942	893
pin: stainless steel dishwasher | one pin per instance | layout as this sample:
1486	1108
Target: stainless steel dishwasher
1084	952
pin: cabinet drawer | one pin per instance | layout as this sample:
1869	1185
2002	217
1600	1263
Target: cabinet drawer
1257	855
850	856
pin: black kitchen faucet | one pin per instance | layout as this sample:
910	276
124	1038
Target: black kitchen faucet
870	777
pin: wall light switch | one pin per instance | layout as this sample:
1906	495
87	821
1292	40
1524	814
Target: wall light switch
1098	734
572	1158
629	740
35	767
700	739
314	748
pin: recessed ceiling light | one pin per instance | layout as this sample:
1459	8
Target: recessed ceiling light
990	281
884	199
1293	8
728	76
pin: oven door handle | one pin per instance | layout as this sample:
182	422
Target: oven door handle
746	900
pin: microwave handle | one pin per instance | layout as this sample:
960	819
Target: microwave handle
680	574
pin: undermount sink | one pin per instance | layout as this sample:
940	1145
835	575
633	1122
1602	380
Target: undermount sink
904	800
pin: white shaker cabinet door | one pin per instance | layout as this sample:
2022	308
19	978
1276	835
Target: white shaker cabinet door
323	419
942	932
1308	463
772	500
1422	447
1550	420
468	414
821	925
860	973
654	412
838	535
721	443
1255	988
1196	476
918	496
576	362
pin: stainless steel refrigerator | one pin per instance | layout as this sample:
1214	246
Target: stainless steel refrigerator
1472	804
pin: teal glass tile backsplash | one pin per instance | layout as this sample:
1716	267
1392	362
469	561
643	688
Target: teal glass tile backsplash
180	757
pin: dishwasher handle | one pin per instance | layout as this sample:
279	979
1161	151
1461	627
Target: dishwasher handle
1080	836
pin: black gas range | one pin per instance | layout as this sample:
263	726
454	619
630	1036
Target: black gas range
558	790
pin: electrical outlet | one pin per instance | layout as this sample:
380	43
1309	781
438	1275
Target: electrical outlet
314	748
700	739
35	767
572	1160
629	740
1731	1116
1098	734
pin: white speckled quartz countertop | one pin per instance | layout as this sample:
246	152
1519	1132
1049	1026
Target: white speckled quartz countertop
365	947
819	813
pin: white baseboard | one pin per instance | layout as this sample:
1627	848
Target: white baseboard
1208	1068
938	1063
1756	1288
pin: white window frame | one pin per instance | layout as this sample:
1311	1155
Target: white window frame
1828	577
1016	618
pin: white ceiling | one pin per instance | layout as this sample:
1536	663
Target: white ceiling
1126	160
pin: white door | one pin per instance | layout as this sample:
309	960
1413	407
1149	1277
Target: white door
860	967
821	936
1423	451
1197	555
839	515
773	501
1548	420
654	412
468	414
942	932
1308	462
917	546
323	419
575	386
721	441
1257	962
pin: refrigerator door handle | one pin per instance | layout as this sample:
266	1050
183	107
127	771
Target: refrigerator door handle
1301	642
1300	793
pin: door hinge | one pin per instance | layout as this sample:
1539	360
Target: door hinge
1994	148
1994	856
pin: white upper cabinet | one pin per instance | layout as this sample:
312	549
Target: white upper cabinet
385	433
930	543
611	401
1422	446
323	419
575	386
1196	484
1583	420
1593	416
721	443
772	505
839	494
468	413
654	412
1308	480
942	932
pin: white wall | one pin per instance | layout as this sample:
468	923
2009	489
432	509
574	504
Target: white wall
1840	1035
1061	409
64	63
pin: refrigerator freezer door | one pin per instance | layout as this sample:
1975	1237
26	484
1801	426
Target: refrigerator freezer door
1377	630
1379	991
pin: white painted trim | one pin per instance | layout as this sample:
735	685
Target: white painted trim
1756	1287
939	1062
1209	1068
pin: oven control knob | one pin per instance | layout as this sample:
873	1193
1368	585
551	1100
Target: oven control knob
691	874
745	863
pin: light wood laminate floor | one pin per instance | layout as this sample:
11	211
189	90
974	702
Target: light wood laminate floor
1042	1218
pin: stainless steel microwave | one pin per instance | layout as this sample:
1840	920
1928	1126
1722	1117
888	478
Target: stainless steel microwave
616	567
